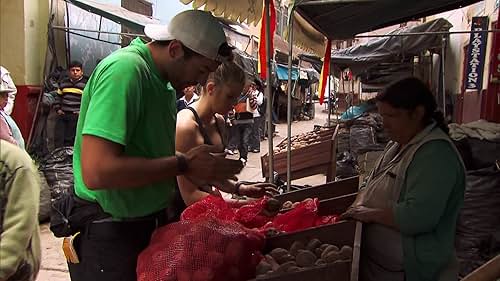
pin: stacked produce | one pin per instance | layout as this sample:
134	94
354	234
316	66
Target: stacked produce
302	256
301	140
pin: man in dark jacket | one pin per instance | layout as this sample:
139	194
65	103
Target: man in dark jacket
67	105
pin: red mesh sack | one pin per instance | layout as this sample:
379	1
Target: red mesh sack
205	249
210	206
250	215
303	216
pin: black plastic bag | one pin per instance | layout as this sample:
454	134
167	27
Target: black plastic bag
45	200
479	219
347	165
58	170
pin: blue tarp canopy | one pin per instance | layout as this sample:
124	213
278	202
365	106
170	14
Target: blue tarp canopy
282	72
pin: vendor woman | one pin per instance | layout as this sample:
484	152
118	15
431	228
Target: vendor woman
411	199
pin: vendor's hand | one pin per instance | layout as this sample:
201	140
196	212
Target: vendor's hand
60	112
361	213
258	190
207	166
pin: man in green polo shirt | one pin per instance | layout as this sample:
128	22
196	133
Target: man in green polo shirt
124	157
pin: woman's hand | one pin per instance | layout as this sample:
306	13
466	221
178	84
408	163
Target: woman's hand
257	190
362	213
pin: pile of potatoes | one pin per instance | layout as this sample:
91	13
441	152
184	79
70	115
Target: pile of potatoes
299	141
302	256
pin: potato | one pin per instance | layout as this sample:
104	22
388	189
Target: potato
183	275
274	264
287	205
233	252
233	273
305	258
203	274
216	258
271	232
293	269
278	253
332	256
286	258
273	205
263	267
313	244
320	262
284	267
346	252
324	246
331	248
318	252
296	246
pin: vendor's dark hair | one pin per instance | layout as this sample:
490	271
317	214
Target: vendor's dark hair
408	93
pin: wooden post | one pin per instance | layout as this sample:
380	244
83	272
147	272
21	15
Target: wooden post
332	167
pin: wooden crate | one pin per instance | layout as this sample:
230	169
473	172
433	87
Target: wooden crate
306	161
340	234
324	191
343	233
337	205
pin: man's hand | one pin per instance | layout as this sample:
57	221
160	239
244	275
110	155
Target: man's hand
257	190
206	167
60	112
361	213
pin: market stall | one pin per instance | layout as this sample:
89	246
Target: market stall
313	153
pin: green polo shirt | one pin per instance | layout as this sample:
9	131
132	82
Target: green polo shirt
428	208
127	102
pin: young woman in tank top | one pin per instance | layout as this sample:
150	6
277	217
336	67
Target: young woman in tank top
203	123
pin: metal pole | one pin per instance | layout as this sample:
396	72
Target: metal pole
68	56
428	33
269	91
289	108
329	99
100	25
96	31
443	50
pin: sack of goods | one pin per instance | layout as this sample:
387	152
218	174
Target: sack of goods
203	249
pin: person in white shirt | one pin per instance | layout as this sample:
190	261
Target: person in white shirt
7	82
258	118
190	96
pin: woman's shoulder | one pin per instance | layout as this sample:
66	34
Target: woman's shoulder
441	153
186	120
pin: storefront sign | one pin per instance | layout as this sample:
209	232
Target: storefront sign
476	54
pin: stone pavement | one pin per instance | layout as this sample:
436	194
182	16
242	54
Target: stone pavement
54	267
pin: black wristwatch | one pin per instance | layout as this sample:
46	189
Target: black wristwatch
182	164
237	188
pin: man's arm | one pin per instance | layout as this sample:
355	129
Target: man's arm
105	165
20	219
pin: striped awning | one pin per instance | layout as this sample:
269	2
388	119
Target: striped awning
250	12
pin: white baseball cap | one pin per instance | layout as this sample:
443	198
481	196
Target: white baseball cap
198	30
4	88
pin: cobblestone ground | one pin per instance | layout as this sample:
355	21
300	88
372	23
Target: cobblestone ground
54	267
